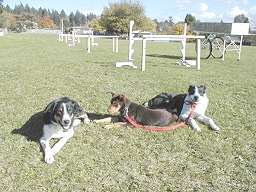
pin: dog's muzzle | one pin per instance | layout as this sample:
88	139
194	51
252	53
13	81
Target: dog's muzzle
66	125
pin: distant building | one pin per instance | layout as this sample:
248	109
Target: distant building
210	27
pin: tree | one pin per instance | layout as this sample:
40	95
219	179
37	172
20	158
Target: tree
55	17
91	16
27	8
46	22
190	19
96	25
170	21
83	19
72	19
179	28
8	9
241	19
116	17
1	6
19	9
64	17
78	18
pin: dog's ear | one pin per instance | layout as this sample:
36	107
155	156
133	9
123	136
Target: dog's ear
78	110
124	99
203	87
112	93
51	107
191	88
49	111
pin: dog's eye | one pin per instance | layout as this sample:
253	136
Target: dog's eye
59	111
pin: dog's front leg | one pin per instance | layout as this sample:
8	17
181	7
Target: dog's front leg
194	125
48	154
208	121
191	122
57	147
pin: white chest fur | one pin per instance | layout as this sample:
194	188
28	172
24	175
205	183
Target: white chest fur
56	131
200	106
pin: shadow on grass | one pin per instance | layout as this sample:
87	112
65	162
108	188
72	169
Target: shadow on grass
33	128
169	56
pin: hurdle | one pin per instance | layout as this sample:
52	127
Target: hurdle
238	30
90	40
167	38
178	38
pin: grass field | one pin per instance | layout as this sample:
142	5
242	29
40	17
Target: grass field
34	69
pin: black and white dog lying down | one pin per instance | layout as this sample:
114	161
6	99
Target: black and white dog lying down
181	104
61	116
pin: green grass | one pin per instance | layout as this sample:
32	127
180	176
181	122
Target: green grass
34	69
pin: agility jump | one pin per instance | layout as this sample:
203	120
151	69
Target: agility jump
166	38
72	39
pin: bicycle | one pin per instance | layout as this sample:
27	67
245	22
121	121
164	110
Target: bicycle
212	45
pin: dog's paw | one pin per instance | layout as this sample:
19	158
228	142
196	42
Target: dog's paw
110	126
197	129
215	128
49	158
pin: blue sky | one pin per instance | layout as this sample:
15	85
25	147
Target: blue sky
204	10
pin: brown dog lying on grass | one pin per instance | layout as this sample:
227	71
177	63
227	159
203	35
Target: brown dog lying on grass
143	116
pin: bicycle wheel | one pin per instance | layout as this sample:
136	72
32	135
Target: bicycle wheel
206	49
217	47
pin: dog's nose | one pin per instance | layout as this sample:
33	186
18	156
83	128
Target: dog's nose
66	122
196	98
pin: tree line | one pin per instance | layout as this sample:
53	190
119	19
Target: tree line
24	16
114	19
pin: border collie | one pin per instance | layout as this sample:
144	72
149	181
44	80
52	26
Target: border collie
61	117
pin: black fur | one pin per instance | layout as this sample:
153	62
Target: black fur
168	101
51	108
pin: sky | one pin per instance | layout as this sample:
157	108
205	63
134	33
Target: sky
203	10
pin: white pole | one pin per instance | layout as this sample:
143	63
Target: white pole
113	45
240	47
131	41
117	45
89	44
143	61
62	26
198	46
73	38
224	50
183	50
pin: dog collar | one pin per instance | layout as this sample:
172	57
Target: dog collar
126	110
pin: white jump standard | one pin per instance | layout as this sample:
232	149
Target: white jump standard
166	38
239	30
130	49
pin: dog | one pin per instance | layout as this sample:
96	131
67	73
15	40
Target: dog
61	117
149	117
161	101
171	102
180	104
197	97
